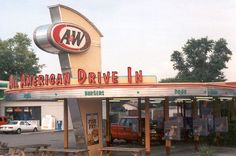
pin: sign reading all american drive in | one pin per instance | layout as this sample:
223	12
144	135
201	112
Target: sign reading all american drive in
83	77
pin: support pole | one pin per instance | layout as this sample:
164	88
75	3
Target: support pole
178	108
185	121
233	109
65	124
217	113
77	122
166	117
139	122
108	123
195	116
230	108
147	127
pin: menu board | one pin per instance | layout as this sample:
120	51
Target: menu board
221	124
172	130
200	127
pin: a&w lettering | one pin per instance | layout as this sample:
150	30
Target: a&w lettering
70	38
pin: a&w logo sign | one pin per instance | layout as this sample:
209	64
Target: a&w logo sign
69	37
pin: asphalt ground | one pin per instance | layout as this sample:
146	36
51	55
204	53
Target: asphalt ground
56	140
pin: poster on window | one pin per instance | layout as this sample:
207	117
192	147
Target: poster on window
172	130
221	124
200	127
92	128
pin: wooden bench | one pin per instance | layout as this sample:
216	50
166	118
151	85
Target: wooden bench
53	151
133	151
21	150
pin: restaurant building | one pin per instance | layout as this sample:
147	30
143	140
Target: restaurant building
83	86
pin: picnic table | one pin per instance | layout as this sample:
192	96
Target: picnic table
133	151
53	151
21	150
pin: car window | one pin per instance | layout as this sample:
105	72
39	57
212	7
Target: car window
135	125
0	119
13	122
129	122
5	119
21	123
122	122
132	123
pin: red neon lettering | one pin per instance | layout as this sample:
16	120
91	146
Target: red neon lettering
40	80
81	76
46	79
28	81
52	79
12	82
114	77
106	77
138	76
66	78
129	75
91	78
22	80
59	79
35	80
99	78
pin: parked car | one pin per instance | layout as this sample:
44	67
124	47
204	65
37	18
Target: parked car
3	120
18	126
128	129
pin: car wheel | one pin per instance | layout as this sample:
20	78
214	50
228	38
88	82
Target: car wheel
35	129
18	131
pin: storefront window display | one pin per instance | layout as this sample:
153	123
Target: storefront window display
23	113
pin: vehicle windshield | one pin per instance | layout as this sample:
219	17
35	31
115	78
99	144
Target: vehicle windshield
12	123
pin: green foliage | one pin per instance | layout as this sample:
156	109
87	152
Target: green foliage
201	60
229	138
206	151
17	56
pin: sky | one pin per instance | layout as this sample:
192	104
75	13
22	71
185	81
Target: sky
137	33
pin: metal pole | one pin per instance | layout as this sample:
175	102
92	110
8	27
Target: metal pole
166	116
147	127
195	116
139	121
108	125
65	125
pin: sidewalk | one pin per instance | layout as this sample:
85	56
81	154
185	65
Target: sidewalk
181	149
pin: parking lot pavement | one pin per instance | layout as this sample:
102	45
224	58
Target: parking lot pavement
181	149
56	140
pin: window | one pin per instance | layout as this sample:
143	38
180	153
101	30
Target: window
129	122
122	122
13	122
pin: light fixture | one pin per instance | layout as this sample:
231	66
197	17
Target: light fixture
225	98
204	98
182	100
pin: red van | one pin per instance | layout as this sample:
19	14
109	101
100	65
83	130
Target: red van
3	120
127	129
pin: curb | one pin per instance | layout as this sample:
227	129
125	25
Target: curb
43	131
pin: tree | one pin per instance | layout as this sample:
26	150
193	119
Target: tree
202	60
17	57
